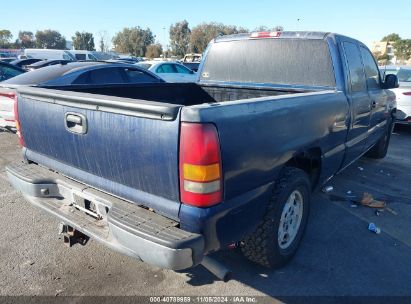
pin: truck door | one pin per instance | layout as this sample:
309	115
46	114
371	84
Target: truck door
378	98
359	100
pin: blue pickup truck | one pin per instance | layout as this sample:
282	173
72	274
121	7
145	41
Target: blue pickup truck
169	173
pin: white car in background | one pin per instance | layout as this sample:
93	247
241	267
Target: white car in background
84	55
403	92
169	71
49	54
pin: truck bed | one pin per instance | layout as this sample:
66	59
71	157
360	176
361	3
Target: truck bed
130	148
186	94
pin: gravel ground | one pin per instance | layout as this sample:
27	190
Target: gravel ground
338	256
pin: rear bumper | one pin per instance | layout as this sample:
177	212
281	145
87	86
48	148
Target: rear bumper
123	226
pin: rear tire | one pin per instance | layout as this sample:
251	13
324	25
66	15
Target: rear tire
277	237
380	149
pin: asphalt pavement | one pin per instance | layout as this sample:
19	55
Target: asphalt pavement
338	255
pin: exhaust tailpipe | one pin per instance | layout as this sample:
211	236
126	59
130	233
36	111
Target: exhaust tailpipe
216	268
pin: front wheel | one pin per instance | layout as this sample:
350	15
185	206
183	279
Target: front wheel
276	239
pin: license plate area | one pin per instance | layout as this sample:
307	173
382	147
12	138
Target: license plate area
92	208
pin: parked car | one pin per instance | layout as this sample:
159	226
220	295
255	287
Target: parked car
171	172
84	55
48	54
192	57
131	59
191	65
45	63
21	63
169	71
120	61
403	93
8	71
7	59
70	74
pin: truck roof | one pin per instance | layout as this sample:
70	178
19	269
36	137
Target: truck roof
275	34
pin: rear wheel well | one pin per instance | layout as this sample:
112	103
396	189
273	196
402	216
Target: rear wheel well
310	162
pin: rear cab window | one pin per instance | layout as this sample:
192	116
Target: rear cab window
287	61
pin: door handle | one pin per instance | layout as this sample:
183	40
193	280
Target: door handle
74	119
76	123
373	104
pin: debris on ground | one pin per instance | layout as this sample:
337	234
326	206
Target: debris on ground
369	201
328	189
372	227
391	211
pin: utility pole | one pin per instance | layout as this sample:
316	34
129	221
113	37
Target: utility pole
165	42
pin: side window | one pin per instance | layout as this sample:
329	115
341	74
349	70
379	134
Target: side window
6	73
182	70
81	56
136	76
82	79
371	70
355	67
100	76
160	69
166	68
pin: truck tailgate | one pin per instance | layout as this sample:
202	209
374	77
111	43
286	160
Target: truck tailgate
126	147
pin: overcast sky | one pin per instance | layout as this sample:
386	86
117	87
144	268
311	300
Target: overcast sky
361	19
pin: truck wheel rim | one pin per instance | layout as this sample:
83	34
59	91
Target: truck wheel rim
290	219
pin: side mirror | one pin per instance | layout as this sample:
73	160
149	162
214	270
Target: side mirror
391	82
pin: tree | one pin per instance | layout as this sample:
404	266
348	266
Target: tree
403	49
49	39
26	39
203	33
133	40
104	41
83	41
5	37
154	50
180	38
391	37
383	57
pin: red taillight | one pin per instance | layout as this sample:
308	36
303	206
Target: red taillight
200	165
265	34
17	120
407	93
